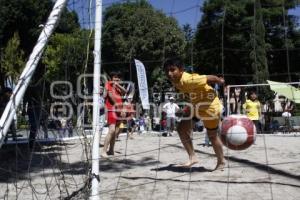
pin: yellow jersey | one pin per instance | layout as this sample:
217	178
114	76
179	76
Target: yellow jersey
198	92
252	109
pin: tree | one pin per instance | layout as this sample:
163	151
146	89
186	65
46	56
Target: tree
25	17
258	54
136	30
189	49
12	61
225	39
66	56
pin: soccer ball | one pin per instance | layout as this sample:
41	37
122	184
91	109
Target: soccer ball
238	132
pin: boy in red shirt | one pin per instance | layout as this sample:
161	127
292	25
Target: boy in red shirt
113	101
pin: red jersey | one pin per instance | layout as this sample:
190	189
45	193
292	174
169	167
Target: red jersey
128	108
116	94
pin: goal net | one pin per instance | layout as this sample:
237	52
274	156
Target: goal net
47	151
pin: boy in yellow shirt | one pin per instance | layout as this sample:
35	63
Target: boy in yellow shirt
206	106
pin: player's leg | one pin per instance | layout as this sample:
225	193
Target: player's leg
111	150
168	125
171	124
111	121
211	119
131	128
217	146
184	131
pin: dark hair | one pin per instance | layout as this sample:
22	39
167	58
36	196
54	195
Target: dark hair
173	61
115	73
250	93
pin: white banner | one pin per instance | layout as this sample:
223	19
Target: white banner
142	81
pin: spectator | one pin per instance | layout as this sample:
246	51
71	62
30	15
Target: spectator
33	106
171	108
233	103
148	122
4	99
127	117
287	113
142	124
252	108
102	106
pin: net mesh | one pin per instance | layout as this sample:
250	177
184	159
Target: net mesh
57	165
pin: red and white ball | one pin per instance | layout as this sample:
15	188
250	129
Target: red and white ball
238	132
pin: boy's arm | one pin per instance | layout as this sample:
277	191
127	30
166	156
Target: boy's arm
109	92
176	108
259	110
112	97
244	106
214	79
121	88
165	107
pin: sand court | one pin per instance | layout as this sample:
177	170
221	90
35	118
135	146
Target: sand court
146	168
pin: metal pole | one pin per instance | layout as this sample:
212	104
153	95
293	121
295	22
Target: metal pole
19	90
96	100
228	101
264	84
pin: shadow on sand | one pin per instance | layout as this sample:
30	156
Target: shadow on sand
180	169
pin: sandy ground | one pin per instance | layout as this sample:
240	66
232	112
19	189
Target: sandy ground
144	168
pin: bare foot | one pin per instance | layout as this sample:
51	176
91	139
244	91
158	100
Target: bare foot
189	164
220	166
104	155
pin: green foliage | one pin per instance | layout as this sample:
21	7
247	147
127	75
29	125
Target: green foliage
252	50
24	17
12	61
65	56
258	54
68	22
136	30
189	49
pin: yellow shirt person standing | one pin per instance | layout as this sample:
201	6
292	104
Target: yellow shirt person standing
252	108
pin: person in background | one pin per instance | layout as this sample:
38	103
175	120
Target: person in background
252	109
127	114
33	105
171	108
148	122
5	95
132	126
142	124
288	108
102	106
233	103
